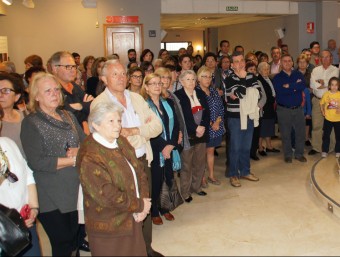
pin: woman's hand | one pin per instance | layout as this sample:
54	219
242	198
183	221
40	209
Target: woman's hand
200	131
33	215
76	106
147	205
180	137
87	98
167	151
72	152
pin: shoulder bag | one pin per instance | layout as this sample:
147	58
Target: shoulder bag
169	197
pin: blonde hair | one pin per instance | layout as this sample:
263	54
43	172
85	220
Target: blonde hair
202	70
146	80
33	105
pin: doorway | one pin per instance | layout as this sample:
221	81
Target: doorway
120	38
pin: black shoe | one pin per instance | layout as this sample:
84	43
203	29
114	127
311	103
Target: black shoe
307	143
262	153
202	193
312	152
255	158
288	159
188	200
301	159
273	150
152	252
84	246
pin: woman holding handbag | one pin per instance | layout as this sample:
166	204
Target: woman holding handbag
18	189
50	138
166	157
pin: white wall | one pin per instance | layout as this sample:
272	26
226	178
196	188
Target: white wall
261	36
307	13
66	25
195	36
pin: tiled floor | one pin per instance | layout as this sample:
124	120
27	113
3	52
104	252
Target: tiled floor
279	215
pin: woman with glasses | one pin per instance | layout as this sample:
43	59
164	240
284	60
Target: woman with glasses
216	127
11	90
135	79
50	138
165	153
196	116
18	189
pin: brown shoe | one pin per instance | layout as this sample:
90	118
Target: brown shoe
235	182
157	220
250	177
168	216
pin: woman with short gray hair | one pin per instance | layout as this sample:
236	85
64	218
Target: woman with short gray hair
267	121
115	187
196	116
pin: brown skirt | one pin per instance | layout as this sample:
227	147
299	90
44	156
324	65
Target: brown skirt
133	245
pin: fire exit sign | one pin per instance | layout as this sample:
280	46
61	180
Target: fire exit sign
231	8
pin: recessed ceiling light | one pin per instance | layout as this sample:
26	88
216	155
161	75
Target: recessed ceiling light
8	2
28	3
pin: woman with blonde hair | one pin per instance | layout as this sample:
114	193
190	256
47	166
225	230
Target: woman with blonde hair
164	147
50	138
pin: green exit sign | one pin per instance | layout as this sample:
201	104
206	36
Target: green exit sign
231	8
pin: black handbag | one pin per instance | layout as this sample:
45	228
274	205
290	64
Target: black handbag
169	198
14	235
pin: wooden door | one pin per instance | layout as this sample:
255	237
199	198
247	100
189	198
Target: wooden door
120	38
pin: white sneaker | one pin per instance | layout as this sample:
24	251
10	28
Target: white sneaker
323	154
337	155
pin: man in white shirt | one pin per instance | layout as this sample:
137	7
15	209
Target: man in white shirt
275	64
319	84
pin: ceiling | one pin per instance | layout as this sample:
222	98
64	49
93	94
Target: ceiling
203	21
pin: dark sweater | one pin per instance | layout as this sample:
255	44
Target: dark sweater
190	124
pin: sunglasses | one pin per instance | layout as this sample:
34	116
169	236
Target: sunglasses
10	176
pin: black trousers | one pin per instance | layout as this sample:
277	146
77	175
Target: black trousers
61	229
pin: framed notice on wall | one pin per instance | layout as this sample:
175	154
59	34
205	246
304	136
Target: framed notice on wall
3	49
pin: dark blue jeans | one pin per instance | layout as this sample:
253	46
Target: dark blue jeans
327	130
239	147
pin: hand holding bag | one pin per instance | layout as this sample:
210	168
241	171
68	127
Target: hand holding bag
169	198
14	235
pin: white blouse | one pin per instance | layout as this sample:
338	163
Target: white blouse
15	195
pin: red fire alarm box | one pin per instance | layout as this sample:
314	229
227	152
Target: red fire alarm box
310	27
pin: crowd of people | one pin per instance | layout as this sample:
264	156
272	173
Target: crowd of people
86	146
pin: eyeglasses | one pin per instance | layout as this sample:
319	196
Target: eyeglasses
6	90
165	77
49	92
136	77
67	67
155	84
10	176
206	77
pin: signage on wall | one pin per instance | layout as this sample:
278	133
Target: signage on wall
122	19
231	8
310	27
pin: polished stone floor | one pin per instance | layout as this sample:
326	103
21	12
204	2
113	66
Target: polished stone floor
279	215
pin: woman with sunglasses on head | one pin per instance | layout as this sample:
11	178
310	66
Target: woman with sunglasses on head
50	138
18	189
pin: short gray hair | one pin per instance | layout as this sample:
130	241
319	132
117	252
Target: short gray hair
261	66
99	111
185	73
109	63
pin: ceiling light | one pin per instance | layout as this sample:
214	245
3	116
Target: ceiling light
8	2
28	3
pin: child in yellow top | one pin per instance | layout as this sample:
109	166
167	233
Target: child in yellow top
330	108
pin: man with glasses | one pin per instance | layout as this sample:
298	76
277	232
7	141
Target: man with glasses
315	57
63	66
139	124
319	84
